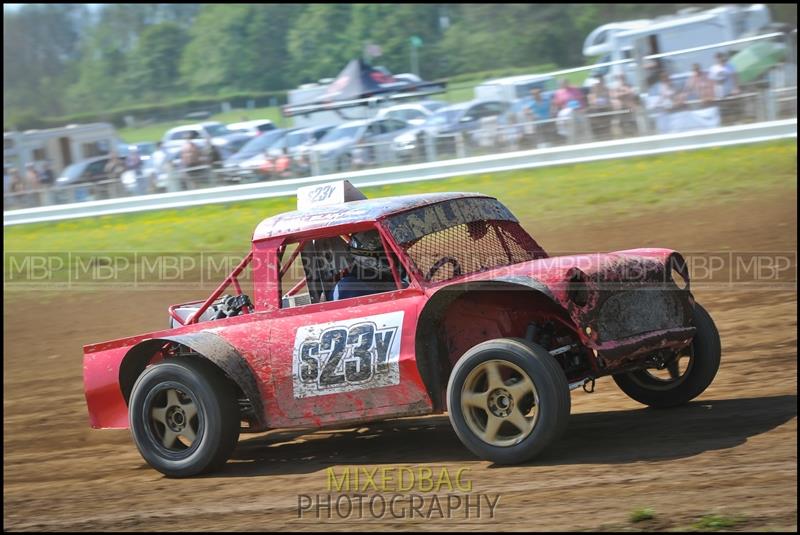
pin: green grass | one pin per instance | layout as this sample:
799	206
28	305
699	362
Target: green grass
640	515
716	522
594	190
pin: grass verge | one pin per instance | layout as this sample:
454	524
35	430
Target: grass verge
594	190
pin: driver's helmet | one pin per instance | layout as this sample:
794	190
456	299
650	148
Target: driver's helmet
368	254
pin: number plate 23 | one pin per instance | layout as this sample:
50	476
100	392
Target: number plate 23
345	356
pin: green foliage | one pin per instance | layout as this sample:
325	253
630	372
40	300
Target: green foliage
319	45
68	59
716	522
642	514
155	60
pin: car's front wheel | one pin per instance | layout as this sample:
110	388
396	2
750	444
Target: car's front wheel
684	378
184	416
507	400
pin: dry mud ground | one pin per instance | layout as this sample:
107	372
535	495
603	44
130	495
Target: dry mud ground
732	452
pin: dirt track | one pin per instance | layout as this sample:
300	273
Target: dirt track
732	452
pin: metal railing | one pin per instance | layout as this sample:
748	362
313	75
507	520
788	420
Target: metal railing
767	100
581	126
492	163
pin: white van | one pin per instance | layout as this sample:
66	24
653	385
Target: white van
513	88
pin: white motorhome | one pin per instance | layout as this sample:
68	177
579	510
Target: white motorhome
690	28
60	146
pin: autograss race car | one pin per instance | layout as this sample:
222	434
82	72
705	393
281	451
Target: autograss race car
454	307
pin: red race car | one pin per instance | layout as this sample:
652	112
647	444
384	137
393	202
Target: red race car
368	309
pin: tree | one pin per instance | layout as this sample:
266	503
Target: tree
40	41
391	26
319	45
217	57
156	59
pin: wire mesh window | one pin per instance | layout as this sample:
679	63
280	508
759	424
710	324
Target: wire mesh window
471	247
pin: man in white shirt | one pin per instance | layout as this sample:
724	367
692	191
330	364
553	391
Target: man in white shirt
723	74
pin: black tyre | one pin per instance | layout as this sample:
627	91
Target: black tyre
184	416
507	400
686	377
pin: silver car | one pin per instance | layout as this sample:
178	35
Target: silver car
359	143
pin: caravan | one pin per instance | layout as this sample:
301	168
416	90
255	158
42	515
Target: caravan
688	29
59	146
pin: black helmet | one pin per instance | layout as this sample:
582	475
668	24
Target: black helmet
368	254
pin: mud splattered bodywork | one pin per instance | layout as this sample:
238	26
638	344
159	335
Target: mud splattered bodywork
464	272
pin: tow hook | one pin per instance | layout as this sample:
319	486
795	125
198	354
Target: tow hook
582	383
590	389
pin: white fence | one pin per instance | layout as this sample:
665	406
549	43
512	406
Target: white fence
750	133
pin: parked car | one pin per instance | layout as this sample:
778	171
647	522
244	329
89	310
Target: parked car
358	142
89	170
252	128
415	113
466	117
226	142
86	172
473	318
246	163
290	156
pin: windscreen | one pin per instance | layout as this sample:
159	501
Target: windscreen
462	236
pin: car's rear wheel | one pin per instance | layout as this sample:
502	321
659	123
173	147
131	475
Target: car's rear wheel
684	378
508	400
184	416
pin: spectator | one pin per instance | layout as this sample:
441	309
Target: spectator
33	185
211	154
600	103
725	79
699	86
538	105
600	96
190	154
538	108
32	177
16	188
665	93
567	93
190	160
16	184
114	169
161	165
569	105
47	179
134	164
724	76
625	98
283	164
